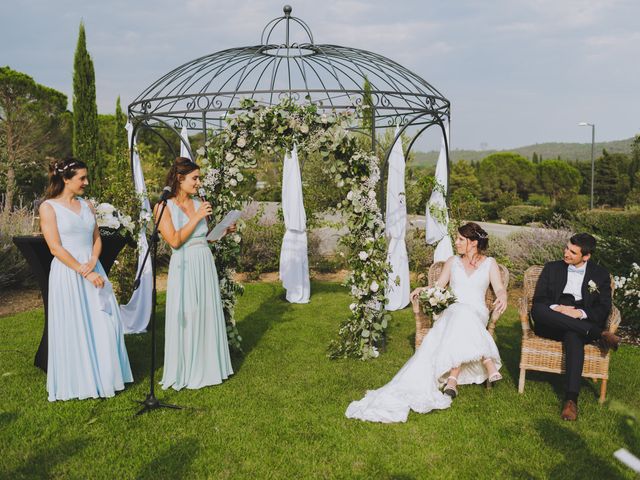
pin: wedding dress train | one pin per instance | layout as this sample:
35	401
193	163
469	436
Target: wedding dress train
459	338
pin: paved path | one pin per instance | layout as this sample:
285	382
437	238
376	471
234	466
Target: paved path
497	229
329	236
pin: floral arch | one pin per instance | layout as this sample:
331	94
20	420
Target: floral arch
268	97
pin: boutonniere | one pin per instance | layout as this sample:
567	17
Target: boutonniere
593	288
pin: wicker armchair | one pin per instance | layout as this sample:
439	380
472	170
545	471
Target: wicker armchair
423	322
545	355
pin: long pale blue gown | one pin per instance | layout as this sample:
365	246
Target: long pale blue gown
87	354
196	350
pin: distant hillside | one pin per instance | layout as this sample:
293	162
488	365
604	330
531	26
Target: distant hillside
566	151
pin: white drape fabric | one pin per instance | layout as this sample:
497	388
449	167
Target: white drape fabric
436	232
294	264
184	151
397	289
135	314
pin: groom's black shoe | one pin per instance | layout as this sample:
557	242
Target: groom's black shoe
609	340
570	411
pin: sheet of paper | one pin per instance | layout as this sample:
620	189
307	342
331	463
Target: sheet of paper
228	220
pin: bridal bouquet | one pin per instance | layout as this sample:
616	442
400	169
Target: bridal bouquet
434	300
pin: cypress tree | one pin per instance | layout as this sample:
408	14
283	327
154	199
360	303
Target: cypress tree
120	145
367	109
85	112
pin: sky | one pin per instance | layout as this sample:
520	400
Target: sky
516	72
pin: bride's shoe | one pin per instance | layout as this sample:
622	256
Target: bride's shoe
493	378
450	388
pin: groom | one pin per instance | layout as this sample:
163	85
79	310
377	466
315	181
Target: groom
571	304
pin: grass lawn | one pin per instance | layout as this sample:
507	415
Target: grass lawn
282	414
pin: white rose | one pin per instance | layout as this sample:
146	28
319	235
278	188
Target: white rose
229	157
110	222
241	142
236	238
304	128
233	182
374	286
352	307
240	177
363	255
350	195
433	301
372	194
374	352
105	209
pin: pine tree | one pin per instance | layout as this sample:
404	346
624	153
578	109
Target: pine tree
85	113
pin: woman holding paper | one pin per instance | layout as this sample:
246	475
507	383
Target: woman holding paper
87	357
196	351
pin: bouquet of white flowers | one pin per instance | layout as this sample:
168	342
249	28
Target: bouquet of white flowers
435	300
111	221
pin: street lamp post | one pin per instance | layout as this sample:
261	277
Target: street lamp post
593	138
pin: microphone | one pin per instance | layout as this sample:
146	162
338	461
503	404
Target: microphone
203	197
166	191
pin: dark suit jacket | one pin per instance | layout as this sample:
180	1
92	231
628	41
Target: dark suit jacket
597	304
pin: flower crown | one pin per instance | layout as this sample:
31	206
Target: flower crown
60	170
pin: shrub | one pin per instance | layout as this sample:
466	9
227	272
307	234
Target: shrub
261	243
627	296
420	254
506	199
323	262
618	234
463	204
539	200
498	250
14	270
520	214
535	246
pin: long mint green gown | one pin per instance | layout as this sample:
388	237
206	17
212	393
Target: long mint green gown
196	350
87	354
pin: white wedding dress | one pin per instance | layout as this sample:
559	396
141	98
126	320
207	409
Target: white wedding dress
459	338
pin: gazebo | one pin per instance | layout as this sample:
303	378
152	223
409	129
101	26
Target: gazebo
211	94
202	93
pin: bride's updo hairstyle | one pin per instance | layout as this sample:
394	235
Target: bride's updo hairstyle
473	231
181	167
58	171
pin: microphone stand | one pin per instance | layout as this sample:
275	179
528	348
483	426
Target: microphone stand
151	402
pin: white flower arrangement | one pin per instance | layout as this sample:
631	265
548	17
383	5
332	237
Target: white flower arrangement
434	300
627	292
109	219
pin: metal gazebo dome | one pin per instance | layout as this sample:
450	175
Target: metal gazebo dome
201	93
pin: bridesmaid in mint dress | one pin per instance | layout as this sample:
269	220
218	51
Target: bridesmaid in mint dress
87	355
196	351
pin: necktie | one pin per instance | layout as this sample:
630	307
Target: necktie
574	269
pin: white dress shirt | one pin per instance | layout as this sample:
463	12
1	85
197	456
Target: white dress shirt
575	277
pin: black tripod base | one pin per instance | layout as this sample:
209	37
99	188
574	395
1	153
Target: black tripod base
152	403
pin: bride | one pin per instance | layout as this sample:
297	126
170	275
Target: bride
457	351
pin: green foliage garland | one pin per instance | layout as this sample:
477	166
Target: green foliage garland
274	130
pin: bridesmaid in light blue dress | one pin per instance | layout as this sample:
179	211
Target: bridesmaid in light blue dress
196	351
87	355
